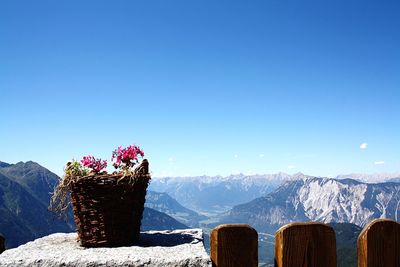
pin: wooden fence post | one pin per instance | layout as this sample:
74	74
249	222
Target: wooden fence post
379	244
2	243
234	245
305	244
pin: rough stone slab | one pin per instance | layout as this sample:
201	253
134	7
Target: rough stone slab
156	248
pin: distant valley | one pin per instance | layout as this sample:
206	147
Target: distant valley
207	194
162	202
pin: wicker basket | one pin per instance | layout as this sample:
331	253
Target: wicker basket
108	208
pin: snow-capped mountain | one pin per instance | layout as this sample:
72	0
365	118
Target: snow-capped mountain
371	178
320	199
219	194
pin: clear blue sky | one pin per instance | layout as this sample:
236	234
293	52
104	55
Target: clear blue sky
204	87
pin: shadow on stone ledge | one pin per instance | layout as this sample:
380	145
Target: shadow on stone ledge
165	239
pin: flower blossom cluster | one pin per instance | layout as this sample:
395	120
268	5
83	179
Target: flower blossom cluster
97	165
126	158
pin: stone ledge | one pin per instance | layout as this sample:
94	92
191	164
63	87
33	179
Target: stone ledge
156	248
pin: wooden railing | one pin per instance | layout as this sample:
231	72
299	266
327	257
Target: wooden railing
234	245
305	245
379	244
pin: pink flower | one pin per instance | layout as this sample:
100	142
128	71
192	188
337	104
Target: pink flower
97	165
126	158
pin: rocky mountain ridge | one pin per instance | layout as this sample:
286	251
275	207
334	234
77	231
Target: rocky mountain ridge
218	193
319	199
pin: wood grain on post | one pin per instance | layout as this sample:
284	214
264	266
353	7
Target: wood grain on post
305	245
234	245
2	244
379	244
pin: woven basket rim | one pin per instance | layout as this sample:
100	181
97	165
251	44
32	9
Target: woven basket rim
137	172
112	175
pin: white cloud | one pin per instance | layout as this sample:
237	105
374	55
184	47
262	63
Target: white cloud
379	162
171	159
261	155
236	156
291	167
363	146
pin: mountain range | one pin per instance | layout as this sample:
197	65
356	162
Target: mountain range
319	199
207	194
24	197
217	194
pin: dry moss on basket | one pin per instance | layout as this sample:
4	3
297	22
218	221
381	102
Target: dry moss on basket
124	161
59	201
